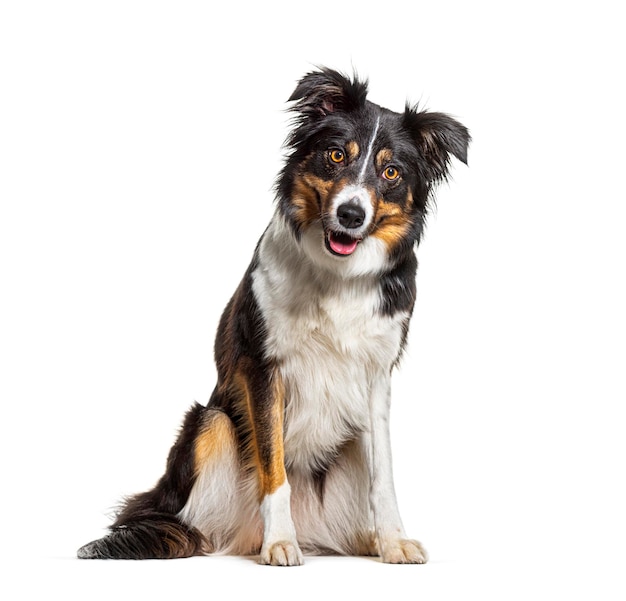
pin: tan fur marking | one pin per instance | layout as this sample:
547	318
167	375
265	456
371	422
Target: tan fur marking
322	186
392	223
305	197
277	475
352	148
305	200
383	158
271	475
216	436
409	199
312	196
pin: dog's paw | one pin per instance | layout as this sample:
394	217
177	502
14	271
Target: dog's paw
281	553
403	551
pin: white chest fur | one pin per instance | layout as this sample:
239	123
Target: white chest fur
330	343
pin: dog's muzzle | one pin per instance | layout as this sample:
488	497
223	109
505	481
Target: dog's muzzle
350	215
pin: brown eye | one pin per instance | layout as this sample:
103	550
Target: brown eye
337	156
391	173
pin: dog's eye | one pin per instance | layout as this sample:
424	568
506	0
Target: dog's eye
391	174
337	156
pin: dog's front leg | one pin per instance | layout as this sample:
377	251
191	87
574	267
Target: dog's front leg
393	546
265	399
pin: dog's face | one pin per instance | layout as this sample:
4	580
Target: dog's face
356	184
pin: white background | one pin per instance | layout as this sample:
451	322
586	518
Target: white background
139	142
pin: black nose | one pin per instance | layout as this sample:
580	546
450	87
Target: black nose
350	215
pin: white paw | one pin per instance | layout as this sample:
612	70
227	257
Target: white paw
281	553
403	551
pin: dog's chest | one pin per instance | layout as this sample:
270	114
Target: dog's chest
329	345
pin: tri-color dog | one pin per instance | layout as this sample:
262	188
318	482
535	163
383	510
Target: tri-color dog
292	453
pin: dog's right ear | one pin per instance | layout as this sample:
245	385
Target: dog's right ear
326	91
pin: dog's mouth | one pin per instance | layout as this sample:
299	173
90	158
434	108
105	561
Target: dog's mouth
341	244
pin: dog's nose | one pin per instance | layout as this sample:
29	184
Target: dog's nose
350	215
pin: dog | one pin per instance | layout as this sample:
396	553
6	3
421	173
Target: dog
292	453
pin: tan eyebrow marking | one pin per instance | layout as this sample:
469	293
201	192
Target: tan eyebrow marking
383	157
352	148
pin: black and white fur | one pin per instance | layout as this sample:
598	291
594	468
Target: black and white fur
292	453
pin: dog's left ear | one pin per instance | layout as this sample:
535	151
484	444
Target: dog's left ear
437	136
326	91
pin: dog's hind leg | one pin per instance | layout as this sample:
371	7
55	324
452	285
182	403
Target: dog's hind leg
218	502
241	500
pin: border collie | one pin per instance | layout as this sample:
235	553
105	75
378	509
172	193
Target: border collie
292	453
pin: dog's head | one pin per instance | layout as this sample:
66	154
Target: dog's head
358	177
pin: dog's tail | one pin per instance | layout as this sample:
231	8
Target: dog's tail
153	536
148	527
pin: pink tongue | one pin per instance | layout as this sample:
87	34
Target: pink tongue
342	247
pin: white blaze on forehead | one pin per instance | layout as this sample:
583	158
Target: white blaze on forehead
357	193
368	153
